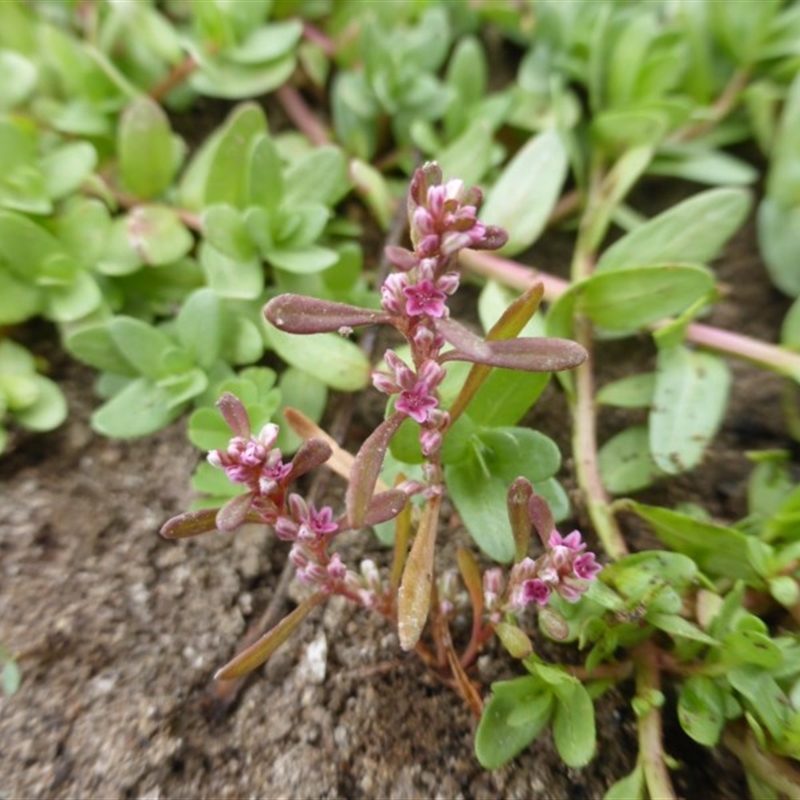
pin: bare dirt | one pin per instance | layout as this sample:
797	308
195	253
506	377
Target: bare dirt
120	632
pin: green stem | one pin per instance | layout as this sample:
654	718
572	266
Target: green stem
651	747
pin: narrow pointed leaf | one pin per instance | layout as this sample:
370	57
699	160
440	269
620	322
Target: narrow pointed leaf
146	153
294	313
527	354
255	655
385	506
471	575
541	516
414	595
235	414
312	454
192	523
519	495
233	514
366	468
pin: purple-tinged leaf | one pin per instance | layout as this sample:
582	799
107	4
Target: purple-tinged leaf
528	354
366	468
235	414
541	516
296	313
385	506
511	322
414	595
517	500
311	454
429	174
191	523
258	652
402	536
234	513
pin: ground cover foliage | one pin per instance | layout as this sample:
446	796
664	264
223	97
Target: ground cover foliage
150	254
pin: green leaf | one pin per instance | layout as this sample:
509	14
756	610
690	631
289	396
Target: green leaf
692	231
17	79
337	362
478	485
237	280
470	155
573	724
779	241
701	709
303	260
145	147
497	741
635	391
265	184
207	429
225	230
94	346
141	408
304	392
49	409
231	81
749	646
628	299
764	696
157	235
717	550
267	43
701	165
199	327
631	787
70	302
676	625
626	464
66	168
10	677
319	177
506	395
227	176
142	345
527	191
18	300
689	404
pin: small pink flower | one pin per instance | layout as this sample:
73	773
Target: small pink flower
424	299
586	567
416	403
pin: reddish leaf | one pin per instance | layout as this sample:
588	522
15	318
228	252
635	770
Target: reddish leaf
234	513
192	523
311	454
296	313
541	516
366	468
385	506
235	414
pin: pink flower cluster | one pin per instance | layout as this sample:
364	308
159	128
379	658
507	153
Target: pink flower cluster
253	461
565	568
443	219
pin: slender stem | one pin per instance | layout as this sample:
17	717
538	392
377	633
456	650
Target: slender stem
651	746
175	78
303	117
584	433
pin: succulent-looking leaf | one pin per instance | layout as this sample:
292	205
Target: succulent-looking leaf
191	523
295	313
689	404
530	354
414	595
235	414
523	197
255	655
233	514
385	506
313	453
146	153
367	468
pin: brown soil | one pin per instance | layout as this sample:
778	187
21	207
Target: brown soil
120	631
